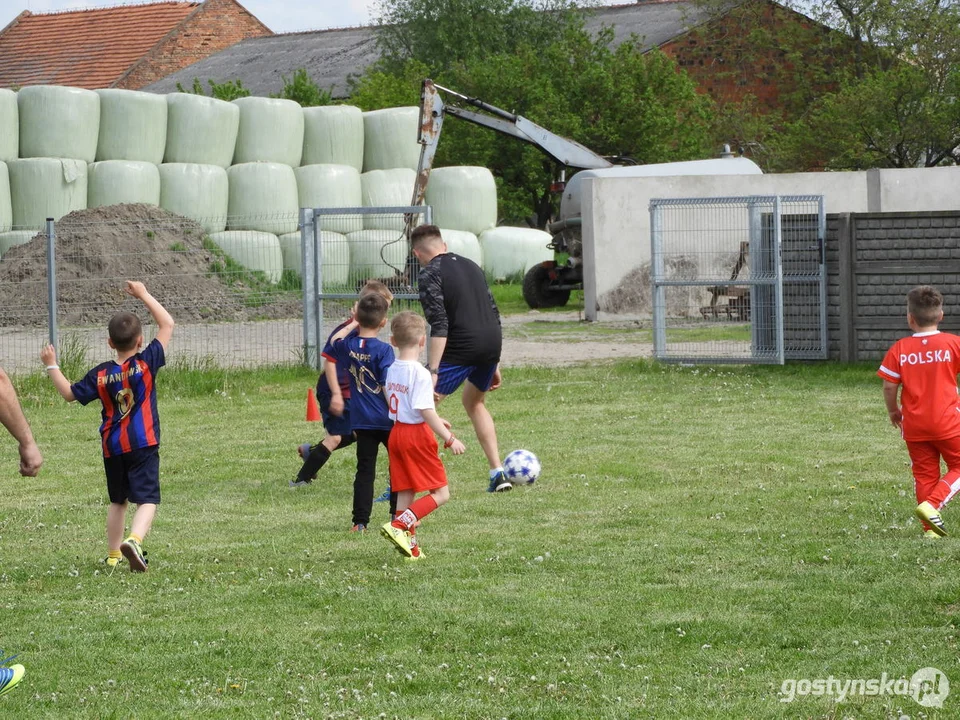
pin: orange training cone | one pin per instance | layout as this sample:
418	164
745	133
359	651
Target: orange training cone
313	410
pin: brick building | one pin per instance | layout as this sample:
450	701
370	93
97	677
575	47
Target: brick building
753	49
127	46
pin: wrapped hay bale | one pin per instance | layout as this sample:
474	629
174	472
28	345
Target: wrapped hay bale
464	244
263	196
377	254
331	186
9	126
200	130
334	253
390	139
58	122
271	130
198	192
115	182
133	126
511	251
256	251
41	188
386	188
333	135
15	237
463	198
6	209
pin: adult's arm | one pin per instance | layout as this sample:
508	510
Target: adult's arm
13	419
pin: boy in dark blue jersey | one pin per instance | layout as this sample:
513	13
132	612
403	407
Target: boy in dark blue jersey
366	358
333	388
130	430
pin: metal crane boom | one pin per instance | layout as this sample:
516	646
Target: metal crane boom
564	151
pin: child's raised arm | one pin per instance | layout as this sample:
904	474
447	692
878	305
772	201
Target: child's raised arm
48	356
161	317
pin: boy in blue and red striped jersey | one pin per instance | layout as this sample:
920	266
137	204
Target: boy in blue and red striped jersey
130	429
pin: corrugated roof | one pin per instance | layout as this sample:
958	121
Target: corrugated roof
84	48
330	57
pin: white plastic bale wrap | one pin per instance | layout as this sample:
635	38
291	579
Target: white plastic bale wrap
15	237
463	198
377	253
386	188
133	126
113	182
58	122
263	196
257	251
335	256
6	209
390	139
9	126
465	244
198	192
333	135
41	188
331	186
509	251
200	130
271	130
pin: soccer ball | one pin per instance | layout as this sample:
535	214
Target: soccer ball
522	467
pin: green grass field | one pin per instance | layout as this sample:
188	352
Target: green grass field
698	537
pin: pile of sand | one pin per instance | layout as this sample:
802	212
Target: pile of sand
98	249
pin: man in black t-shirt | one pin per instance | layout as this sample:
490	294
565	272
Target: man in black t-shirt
465	336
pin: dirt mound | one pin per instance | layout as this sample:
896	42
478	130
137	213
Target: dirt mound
99	248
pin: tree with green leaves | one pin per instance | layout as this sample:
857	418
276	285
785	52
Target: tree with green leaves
865	83
229	90
534	58
302	89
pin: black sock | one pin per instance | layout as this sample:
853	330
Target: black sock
315	460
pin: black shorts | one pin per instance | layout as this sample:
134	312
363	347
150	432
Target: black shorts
134	476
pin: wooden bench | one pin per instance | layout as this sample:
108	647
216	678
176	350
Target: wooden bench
737	297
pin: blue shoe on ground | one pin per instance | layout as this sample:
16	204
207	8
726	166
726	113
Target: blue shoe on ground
384	496
499	483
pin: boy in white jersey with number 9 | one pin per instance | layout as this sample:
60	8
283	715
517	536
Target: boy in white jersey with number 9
414	464
922	369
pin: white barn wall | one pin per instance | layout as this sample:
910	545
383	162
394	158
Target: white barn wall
616	215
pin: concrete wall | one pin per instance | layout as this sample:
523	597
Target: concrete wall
616	215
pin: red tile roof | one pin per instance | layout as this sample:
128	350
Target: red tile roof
84	48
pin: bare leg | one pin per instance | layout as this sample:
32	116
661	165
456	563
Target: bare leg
116	515
331	442
404	498
143	519
473	403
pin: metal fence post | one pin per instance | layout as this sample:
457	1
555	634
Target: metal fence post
308	242
51	282
659	292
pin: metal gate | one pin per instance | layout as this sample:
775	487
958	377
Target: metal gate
340	248
739	279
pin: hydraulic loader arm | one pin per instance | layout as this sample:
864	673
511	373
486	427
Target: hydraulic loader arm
565	152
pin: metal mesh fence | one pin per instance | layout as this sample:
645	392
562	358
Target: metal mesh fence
738	280
234	292
346	247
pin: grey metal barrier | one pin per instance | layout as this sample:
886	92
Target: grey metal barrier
739	279
341	248
232	283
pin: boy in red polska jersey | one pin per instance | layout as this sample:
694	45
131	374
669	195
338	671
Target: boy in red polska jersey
130	430
922	369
